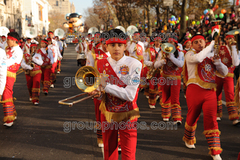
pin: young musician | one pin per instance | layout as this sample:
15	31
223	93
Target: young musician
3	42
13	61
48	60
229	57
199	76
118	104
187	46
32	64
26	48
171	72
150	56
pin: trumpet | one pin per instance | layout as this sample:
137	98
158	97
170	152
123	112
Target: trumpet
87	80
151	71
235	33
30	62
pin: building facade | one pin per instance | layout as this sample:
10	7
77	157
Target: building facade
35	13
61	6
11	15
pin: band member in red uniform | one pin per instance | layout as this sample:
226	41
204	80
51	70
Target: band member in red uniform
98	54
3	71
118	104
26	48
3	42
171	72
13	61
56	55
150	56
187	46
32	64
48	60
199	75
229	57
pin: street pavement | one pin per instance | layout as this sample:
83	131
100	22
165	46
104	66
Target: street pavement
52	131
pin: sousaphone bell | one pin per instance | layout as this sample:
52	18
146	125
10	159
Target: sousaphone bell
168	48
87	80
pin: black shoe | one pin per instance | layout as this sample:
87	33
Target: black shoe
46	93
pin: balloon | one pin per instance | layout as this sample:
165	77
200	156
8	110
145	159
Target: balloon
186	18
200	17
214	9
173	24
211	1
206	22
223	11
207	18
193	22
205	11
172	16
216	16
177	21
216	6
169	21
209	31
198	22
189	35
221	15
160	20
179	18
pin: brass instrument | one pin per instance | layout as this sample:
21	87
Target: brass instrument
167	48
30	62
87	80
235	33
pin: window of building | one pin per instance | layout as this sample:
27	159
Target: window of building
56	3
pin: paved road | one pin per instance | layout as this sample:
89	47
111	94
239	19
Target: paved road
49	131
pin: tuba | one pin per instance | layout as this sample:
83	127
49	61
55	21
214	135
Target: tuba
87	80
30	62
59	32
167	48
4	31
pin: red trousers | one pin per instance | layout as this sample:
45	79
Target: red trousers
53	73
33	84
59	66
228	85
170	100
199	99
46	78
128	136
8	107
153	89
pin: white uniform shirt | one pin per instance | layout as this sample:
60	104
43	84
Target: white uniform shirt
26	48
131	47
234	55
54	49
146	57
132	79
179	61
194	59
3	70
3	45
49	55
90	59
37	58
17	55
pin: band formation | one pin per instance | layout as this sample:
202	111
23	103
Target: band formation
129	65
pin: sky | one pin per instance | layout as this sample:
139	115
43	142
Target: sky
81	5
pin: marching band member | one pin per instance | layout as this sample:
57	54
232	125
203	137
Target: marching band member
60	45
199	75
48	60
171	72
3	71
26	48
92	59
150	56
229	57
14	58
81	57
3	42
32	64
118	105
187	46
56	55
136	50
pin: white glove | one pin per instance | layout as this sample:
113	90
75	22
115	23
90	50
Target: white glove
217	62
30	68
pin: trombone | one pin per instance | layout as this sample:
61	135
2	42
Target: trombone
87	80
